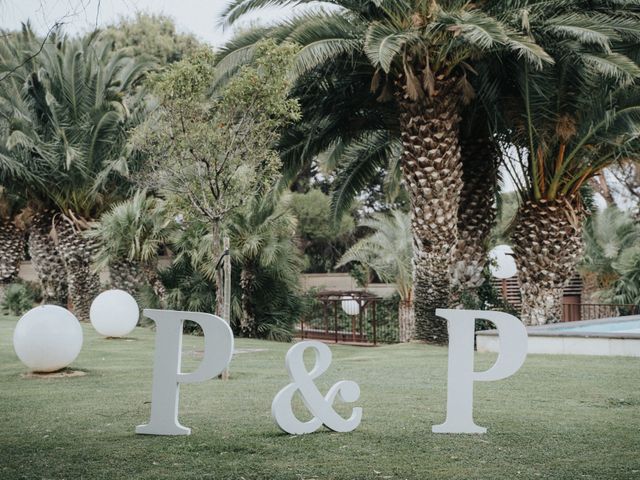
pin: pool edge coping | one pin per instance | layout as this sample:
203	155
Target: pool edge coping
554	329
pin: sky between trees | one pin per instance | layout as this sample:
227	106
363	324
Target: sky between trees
193	16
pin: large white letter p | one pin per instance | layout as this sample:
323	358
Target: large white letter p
513	351
167	377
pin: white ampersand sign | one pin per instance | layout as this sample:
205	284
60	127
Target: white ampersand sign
320	406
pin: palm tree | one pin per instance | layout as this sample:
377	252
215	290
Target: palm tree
611	241
626	289
415	54
565	124
130	236
12	238
263	248
18	60
69	126
480	157
265	298
388	252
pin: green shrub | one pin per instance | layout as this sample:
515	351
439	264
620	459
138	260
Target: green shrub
486	297
18	298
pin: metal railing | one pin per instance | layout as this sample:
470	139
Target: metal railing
330	321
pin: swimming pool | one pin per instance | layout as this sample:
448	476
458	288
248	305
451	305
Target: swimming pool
607	336
632	326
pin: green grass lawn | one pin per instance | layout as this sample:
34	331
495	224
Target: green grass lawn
559	417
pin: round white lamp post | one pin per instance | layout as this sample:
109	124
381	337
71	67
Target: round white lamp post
114	313
502	264
47	338
350	306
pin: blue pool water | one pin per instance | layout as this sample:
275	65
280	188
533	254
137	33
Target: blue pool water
613	327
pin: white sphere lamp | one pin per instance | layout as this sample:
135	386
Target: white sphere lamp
47	338
350	306
114	313
502	264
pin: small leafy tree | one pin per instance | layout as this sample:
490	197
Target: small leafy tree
388	251
214	151
322	240
155	35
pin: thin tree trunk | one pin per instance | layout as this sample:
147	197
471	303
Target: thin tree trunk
219	277
47	260
226	245
226	300
406	321
477	212
219	294
77	252
432	174
547	241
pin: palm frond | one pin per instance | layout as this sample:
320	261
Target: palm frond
362	160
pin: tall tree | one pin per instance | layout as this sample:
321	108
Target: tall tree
212	153
69	128
480	157
416	55
566	123
152	35
18	58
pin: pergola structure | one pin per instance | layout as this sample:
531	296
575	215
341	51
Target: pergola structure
347	317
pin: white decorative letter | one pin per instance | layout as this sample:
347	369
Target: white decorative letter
319	406
167	377
513	351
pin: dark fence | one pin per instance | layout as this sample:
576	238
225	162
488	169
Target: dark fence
351	317
573	312
362	318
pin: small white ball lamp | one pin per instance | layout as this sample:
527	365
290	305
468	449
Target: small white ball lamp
114	313
350	306
502	264
47	338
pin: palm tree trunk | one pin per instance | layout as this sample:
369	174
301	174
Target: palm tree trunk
47	260
125	275
131	276
433	177
77	253
248	321
406	321
11	252
477	213
153	278
547	241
